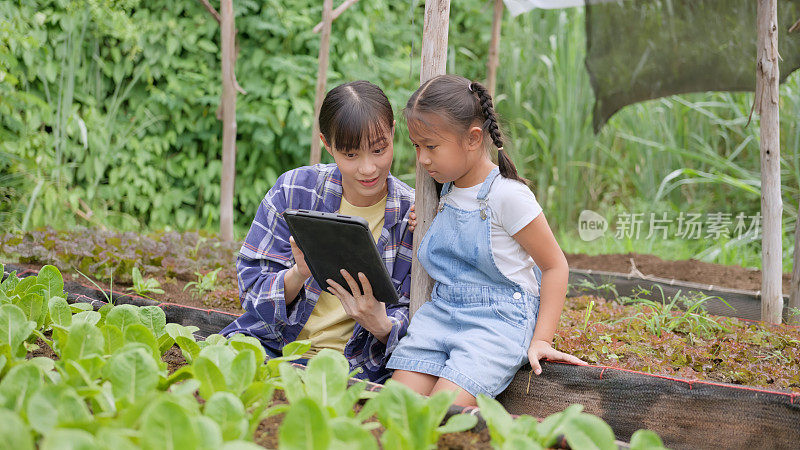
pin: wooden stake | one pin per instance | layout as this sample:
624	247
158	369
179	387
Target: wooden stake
322	77
336	13
794	296
494	48
227	38
766	104
434	62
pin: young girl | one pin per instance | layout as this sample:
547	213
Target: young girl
489	250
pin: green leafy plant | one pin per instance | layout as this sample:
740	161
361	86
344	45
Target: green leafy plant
580	430
411	420
321	405
144	286
108	385
205	283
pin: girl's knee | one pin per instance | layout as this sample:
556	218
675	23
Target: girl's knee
422	383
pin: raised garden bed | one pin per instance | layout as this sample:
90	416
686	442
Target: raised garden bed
622	340
124	376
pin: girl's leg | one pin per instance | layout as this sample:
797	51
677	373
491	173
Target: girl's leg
418	382
463	398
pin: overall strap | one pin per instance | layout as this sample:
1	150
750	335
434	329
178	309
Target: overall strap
487	184
446	188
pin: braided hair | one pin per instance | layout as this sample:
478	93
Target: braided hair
462	103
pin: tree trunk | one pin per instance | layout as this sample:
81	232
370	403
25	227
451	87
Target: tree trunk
322	77
228	120
434	62
766	104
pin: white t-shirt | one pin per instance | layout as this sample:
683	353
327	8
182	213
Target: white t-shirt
513	207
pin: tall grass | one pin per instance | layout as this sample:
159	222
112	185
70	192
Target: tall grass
691	152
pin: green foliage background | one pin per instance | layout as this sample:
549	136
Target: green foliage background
113	102
109	106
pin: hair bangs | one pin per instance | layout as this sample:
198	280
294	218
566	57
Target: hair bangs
356	126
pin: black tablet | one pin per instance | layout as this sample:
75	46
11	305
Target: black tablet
331	242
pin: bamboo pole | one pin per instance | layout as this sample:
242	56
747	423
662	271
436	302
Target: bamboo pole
766	104
494	48
322	77
336	13
228	119
434	62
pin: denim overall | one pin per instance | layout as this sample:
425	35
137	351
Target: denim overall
477	328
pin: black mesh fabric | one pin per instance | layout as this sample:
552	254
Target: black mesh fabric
644	49
686	414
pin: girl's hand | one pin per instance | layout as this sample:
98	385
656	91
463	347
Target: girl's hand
299	260
412	219
541	349
362	306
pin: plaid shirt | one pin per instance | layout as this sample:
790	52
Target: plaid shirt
266	255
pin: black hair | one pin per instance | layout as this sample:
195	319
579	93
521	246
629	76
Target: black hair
462	103
354	111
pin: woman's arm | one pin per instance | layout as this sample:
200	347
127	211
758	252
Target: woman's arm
538	240
264	262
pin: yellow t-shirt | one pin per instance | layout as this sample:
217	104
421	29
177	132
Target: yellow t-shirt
329	326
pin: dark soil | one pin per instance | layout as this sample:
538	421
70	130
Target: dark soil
174	359
735	277
465	440
43	350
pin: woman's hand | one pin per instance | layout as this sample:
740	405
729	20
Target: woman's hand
299	259
542	349
412	218
362	306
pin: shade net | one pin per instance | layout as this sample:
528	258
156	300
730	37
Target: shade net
644	49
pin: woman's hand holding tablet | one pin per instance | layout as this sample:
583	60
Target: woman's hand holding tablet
333	244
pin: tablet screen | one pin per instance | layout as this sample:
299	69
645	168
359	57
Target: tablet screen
331	242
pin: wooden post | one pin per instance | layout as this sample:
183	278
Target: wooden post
322	77
766	104
794	296
434	62
336	13
228	119
494	48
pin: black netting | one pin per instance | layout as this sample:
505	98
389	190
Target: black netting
685	414
644	49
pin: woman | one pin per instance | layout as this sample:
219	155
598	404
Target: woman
282	302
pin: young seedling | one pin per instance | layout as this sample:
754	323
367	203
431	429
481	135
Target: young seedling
110	296
589	309
205	283
144	286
